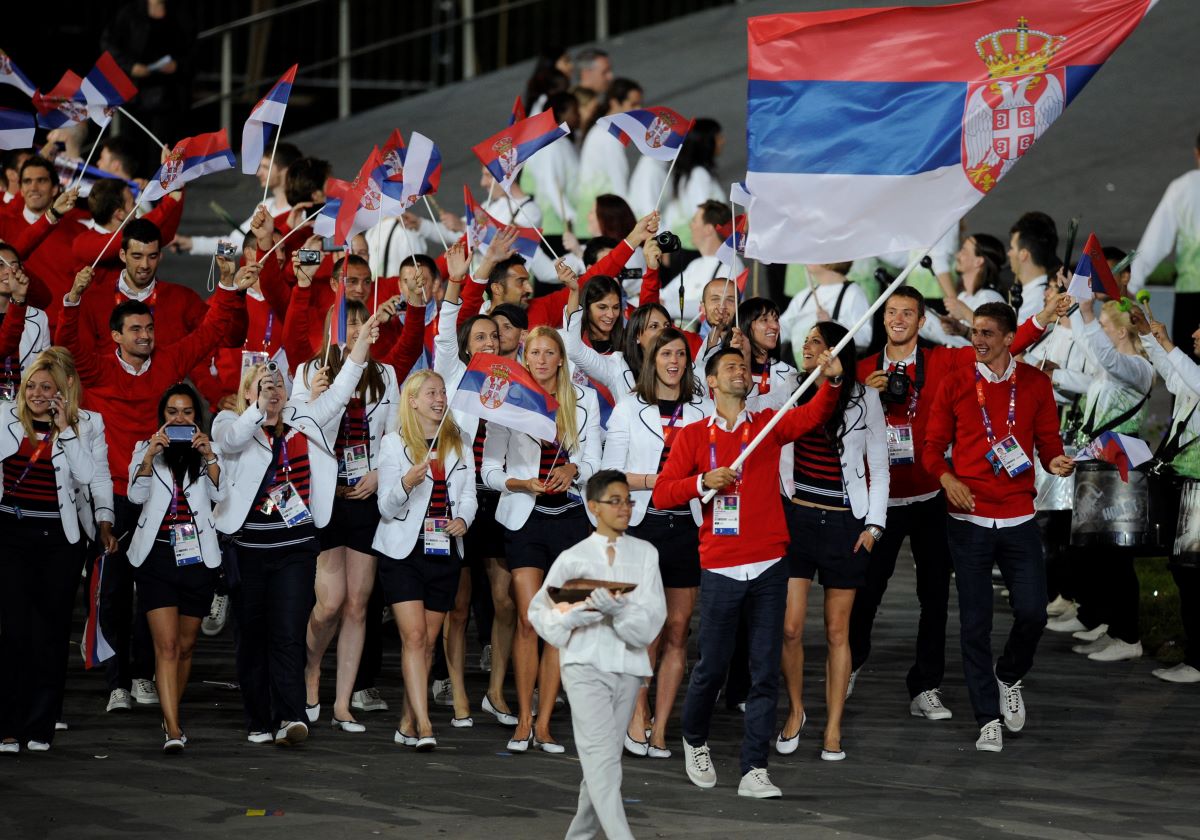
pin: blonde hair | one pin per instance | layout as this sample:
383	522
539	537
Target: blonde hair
63	356
51	364
1120	319
248	376
564	390
409	425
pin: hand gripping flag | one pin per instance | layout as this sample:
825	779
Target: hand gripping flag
95	647
16	129
1092	275
504	153
191	158
482	228
361	205
501	391
656	132
857	151
104	88
265	118
735	240
10	74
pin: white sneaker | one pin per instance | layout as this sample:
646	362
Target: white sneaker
443	694
145	692
1012	705
12	748
1118	651
291	732
218	614
991	737
1066	624
37	746
928	704
1092	635
1181	673
850	685
1060	607
119	701
368	700
259	738
698	764
485	659
757	785
1091	647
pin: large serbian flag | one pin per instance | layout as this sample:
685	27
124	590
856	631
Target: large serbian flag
874	130
504	153
501	391
191	158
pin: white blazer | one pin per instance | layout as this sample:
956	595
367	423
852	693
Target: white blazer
94	500
35	337
246	451
381	415
611	370
508	454
71	455
865	465
449	366
402	514
634	443
154	494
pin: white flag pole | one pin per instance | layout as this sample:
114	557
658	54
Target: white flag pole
95	146
139	124
271	164
666	181
120	227
812	377
436	223
303	222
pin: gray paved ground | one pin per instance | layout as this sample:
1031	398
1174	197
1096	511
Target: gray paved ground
1109	752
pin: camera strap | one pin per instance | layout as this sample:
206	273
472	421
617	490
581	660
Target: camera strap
837	304
919	376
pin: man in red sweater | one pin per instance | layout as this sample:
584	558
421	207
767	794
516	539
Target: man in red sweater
998	414
742	539
124	385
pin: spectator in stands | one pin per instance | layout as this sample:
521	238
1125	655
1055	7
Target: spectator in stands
552	71
603	166
595	69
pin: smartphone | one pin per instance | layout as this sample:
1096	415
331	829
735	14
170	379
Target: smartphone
180	434
309	256
226	249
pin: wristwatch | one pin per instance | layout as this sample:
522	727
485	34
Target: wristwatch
210	463
875	531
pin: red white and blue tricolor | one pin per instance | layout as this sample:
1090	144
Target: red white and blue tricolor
1092	276
871	131
338	328
501	391
657	132
422	169
735	240
504	153
361	205
16	129
191	158
63	105
95	648
482	228
97	95
265	118
1124	452
10	74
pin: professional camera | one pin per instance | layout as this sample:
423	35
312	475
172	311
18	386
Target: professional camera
668	242
898	383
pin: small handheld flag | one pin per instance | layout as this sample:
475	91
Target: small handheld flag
518	111
95	648
735	240
191	158
265	120
105	88
338	330
482	228
504	153
360	205
502	391
1124	452
10	74
422	169
656	132
1092	275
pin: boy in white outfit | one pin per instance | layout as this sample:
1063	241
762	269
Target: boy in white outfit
602	647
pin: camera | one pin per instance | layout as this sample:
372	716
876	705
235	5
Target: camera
629	274
898	383
309	257
226	249
272	366
668	242
180	434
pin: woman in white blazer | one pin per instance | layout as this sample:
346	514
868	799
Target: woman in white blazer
45	454
614	366
541	488
637	443
281	477
25	331
453	347
837	508
346	564
176	478
426	504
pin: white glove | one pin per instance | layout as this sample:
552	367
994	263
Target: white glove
580	617
603	600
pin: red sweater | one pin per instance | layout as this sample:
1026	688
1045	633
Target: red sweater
763	533
90	244
128	402
228	360
46	256
955	418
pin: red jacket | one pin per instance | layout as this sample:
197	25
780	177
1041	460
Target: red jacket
548	309
128	402
763	533
956	418
228	360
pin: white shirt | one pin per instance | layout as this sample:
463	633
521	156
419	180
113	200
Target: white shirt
801	313
1033	298
128	367
935	332
647	181
124	288
1175	225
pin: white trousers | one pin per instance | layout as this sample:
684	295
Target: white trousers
601	707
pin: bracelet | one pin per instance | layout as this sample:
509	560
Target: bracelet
17	302
212	462
875	531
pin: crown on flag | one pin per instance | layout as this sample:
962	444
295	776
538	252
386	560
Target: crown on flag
1010	51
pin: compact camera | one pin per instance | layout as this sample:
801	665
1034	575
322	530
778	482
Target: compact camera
309	256
226	249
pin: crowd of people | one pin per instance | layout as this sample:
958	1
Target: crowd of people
243	458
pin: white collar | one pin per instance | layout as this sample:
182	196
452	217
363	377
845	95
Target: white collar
909	360
30	216
716	420
254	294
986	372
91	224
124	288
596	536
128	367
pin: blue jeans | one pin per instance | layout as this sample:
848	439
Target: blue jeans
1018	553
722	601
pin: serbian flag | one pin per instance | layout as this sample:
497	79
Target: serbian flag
871	131
361	206
16	129
422	169
1124	452
191	158
502	391
1092	275
482	228
63	105
326	222
104	88
741	279
657	132
337	319
503	154
605	398
518	111
389	175
95	647
735	240
738	194
10	74
265	118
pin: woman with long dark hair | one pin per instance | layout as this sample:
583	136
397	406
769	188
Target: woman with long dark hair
177	479
774	380
614	363
836	510
638	441
551	74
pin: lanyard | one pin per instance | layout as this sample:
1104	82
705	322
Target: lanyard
669	431
712	448
42	446
1012	406
282	442
764	381
267	331
175	491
